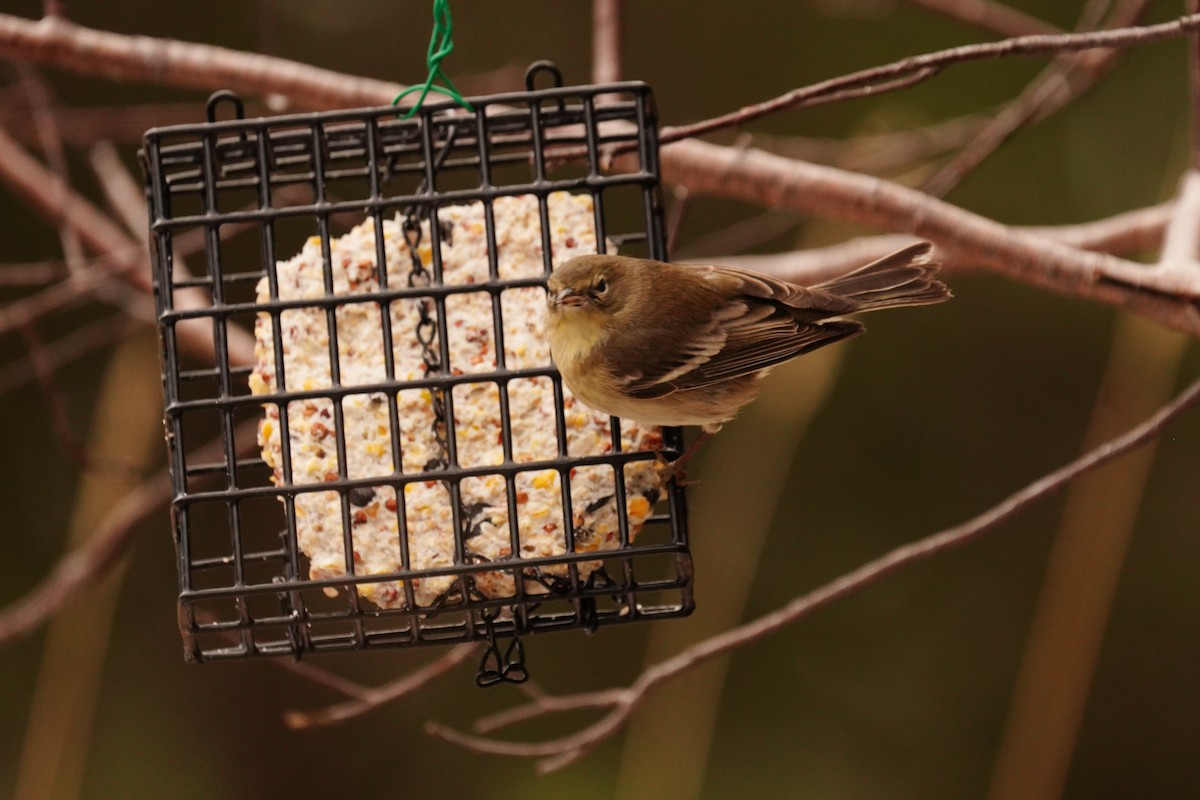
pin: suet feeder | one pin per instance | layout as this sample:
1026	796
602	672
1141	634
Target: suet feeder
400	464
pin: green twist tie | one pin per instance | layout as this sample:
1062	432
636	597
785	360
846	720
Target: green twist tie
441	45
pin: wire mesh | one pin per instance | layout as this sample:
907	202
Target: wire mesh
259	199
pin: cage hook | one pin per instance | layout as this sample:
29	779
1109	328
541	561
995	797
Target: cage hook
495	668
225	96
536	69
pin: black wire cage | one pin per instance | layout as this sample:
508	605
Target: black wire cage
398	463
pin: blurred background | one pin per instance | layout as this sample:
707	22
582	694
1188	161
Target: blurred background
1057	657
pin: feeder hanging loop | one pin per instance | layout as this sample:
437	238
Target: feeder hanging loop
441	44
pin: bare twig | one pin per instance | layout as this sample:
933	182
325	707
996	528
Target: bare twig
56	409
49	136
32	274
878	153
556	753
45	192
123	193
82	567
74	345
990	16
366	698
1066	78
867	81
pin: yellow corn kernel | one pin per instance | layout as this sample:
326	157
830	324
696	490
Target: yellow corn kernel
257	384
376	449
315	241
382	430
426	397
267	430
545	480
539	512
309	384
639	507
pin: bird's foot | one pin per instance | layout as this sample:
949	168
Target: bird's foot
671	470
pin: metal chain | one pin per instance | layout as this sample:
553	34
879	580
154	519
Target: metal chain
419	277
494	668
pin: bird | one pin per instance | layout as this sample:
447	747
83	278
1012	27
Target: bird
673	344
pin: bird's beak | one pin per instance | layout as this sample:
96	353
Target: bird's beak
568	298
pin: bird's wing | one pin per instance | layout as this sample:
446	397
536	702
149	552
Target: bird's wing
746	335
802	302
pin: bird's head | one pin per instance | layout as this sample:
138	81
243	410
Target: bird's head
596	287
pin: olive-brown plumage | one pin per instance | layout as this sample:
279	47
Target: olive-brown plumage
673	344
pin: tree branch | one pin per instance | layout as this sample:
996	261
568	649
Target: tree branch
52	197
1065	79
702	168
606	40
141	59
83	566
1138	231
366	698
865	81
761	178
559	752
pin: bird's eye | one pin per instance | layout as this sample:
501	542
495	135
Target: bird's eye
601	286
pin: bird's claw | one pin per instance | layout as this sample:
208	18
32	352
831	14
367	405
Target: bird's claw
671	470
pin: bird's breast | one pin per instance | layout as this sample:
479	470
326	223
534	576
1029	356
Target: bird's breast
574	336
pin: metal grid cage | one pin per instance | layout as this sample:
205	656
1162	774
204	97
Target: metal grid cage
250	193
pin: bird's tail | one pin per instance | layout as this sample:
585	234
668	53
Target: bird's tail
904	278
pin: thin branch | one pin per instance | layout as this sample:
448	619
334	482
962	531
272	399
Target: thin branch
866	81
86	564
367	699
878	153
1066	78
542	703
990	16
124	195
606	40
52	397
38	273
62	351
623	702
45	123
48	194
61	296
